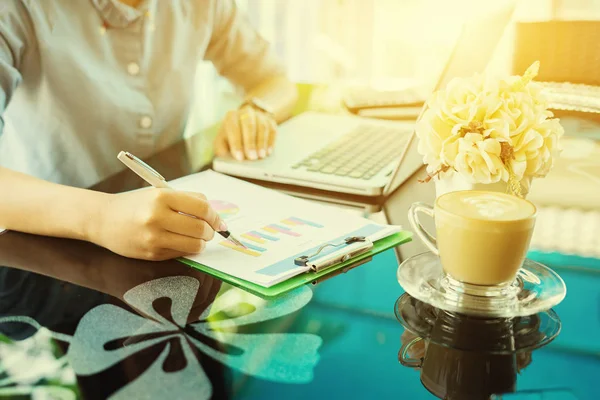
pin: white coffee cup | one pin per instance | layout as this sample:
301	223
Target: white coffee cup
482	238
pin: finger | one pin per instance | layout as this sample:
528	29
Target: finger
262	134
221	145
196	194
199	208
247	118
272	134
181	244
188	226
231	124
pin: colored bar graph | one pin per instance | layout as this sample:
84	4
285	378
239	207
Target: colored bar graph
274	228
257	235
253	238
304	222
240	249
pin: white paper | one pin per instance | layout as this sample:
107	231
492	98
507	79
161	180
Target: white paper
300	227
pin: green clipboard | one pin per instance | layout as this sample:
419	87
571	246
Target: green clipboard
304	278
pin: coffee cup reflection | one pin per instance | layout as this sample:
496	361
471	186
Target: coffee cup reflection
467	357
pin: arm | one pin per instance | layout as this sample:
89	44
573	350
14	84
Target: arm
142	224
55	210
279	93
241	55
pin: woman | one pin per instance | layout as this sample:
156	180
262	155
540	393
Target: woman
82	80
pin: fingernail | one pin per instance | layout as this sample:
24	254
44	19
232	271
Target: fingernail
238	155
222	226
262	153
252	154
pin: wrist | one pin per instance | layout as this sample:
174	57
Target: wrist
96	211
258	105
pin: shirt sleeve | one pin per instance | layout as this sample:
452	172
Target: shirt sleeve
237	50
15	31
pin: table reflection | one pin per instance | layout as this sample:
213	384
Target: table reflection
129	328
466	357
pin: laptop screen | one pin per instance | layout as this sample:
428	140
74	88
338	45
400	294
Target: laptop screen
476	44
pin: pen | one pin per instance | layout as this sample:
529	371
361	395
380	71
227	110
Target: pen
155	179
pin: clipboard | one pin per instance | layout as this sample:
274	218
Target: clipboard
344	258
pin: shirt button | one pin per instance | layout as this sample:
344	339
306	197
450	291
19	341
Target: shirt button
133	69
146	122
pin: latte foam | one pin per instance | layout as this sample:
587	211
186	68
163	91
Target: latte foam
483	237
489	206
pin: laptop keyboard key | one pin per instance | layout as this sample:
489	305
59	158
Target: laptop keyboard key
328	169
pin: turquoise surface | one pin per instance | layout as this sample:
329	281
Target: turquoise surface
361	338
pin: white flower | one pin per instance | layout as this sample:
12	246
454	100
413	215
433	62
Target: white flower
488	130
475	157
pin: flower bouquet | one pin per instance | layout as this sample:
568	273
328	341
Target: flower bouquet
484	131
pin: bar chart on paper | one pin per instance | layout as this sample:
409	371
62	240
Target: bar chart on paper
269	234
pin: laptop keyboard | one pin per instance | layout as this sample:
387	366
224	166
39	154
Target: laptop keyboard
361	154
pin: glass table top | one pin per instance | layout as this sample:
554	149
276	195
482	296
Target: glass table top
77	321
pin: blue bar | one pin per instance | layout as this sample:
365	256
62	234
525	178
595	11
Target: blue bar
253	247
279	227
265	236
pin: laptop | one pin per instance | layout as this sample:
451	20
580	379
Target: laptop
351	155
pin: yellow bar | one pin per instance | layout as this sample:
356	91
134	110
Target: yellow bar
266	228
254	239
290	223
241	250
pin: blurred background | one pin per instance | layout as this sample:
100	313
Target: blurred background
378	43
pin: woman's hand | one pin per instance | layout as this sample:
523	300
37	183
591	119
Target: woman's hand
246	134
146	224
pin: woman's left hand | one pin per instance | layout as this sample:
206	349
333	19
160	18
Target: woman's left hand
246	134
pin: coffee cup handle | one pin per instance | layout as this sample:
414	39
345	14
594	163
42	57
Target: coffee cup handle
425	236
407	360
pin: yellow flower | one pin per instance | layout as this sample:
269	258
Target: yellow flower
468	123
476	158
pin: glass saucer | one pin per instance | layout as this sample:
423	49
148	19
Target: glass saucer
472	333
537	288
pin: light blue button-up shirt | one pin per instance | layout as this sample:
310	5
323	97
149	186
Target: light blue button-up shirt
81	80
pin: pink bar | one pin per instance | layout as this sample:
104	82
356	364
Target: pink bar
284	231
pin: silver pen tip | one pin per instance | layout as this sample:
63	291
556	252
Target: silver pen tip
236	242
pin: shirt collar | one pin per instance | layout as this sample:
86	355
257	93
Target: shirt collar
117	14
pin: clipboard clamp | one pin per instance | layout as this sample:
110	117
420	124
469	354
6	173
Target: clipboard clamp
351	247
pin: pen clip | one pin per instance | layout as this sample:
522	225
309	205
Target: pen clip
144	165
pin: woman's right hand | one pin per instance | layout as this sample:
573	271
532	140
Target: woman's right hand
146	224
